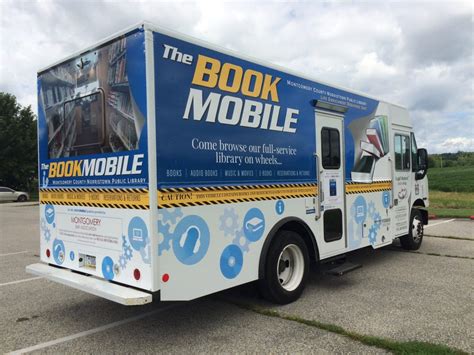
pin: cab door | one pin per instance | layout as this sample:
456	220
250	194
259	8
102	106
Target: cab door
402	183
329	142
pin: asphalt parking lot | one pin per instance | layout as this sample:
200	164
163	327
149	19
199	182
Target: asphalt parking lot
425	296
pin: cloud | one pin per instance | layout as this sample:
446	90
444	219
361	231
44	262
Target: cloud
456	144
417	54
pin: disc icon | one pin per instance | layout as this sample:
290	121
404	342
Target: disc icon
231	261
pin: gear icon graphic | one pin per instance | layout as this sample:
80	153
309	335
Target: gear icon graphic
228	222
377	220
127	252
371	209
122	261
372	235
171	216
164	229
43	224
47	234
241	241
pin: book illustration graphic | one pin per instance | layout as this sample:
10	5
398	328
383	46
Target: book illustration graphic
372	149
254	224
380	124
374	138
364	169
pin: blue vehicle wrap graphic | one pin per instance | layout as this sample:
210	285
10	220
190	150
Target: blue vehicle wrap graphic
92	118
222	120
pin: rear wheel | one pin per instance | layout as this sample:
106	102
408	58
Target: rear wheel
21	198
286	268
412	241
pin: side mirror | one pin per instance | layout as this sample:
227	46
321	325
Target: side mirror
422	156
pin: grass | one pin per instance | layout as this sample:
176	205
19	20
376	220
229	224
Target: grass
453	179
451	191
395	346
451	204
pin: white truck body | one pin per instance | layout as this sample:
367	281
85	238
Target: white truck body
169	164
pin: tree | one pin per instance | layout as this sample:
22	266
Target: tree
18	148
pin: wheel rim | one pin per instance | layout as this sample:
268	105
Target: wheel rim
290	267
417	230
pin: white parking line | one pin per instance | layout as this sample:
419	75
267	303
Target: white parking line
432	225
15	253
20	281
89	332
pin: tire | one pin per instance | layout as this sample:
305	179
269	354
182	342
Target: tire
412	241
21	198
286	268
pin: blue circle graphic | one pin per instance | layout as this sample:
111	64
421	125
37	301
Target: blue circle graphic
49	213
386	199
137	233
108	268
231	261
254	224
280	207
191	240
359	210
59	251
71	255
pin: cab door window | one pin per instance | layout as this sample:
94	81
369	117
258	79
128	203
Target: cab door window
402	152
414	154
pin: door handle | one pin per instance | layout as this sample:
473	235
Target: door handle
318	187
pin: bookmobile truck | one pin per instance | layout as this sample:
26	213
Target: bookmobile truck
170	165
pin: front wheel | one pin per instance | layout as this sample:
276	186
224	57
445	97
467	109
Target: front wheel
21	198
412	241
286	268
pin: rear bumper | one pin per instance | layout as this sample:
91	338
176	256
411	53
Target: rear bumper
121	294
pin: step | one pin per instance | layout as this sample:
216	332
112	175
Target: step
338	259
342	269
121	294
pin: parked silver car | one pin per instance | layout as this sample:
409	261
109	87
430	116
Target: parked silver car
7	194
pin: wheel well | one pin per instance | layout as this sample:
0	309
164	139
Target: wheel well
290	224
420	205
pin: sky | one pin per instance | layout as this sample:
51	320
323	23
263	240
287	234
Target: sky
416	54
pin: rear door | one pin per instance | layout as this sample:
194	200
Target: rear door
329	133
93	157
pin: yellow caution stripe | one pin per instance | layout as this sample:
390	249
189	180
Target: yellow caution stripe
94	197
376	186
210	195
